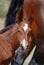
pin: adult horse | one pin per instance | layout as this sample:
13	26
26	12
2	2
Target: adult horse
34	11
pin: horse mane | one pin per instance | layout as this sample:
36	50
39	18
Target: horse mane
7	28
14	7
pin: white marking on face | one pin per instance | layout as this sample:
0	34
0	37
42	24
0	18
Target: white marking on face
25	27
24	44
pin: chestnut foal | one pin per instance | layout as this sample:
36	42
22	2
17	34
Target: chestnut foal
27	41
12	38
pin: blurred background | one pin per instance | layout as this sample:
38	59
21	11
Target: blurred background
4	5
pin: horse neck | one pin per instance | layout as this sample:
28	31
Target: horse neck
10	36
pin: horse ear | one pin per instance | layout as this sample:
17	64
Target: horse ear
31	19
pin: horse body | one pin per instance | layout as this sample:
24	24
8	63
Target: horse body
35	13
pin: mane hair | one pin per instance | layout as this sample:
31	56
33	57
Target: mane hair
14	7
7	28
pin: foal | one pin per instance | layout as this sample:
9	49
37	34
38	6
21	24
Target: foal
11	39
25	36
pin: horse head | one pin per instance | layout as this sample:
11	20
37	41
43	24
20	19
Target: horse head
25	35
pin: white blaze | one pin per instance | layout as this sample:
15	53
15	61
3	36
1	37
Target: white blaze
24	44
25	27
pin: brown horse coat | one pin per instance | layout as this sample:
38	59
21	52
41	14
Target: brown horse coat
8	44
34	11
11	39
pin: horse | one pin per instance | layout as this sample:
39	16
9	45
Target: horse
15	35
34	11
24	35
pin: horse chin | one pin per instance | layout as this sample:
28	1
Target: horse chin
24	44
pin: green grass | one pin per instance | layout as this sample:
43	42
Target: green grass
4	5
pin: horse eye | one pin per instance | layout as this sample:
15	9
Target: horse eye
31	19
18	30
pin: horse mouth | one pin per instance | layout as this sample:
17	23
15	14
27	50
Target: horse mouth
24	44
